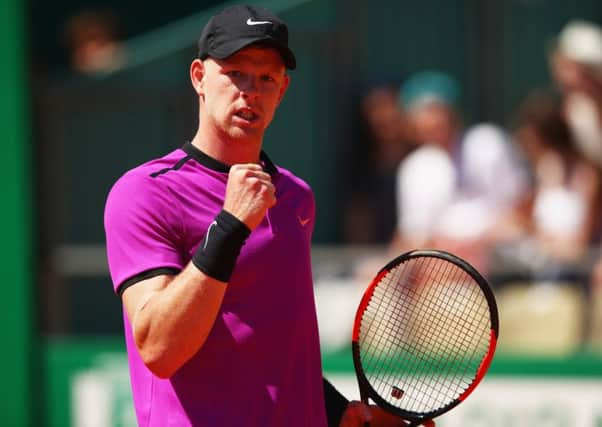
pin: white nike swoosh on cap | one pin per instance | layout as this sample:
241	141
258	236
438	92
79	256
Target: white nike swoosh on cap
251	22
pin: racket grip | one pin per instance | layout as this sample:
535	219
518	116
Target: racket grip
363	395
365	400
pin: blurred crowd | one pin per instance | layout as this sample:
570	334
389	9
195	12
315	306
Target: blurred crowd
521	201
92	39
523	198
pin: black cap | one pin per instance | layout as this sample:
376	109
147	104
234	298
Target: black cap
237	27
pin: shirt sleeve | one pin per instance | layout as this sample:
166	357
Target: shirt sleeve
143	229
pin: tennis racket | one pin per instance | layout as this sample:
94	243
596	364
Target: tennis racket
424	335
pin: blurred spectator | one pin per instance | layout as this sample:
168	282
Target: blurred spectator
93	40
492	186
450	190
576	65
595	326
370	210
427	177
564	211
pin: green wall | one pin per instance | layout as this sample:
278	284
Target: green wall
15	250
67	359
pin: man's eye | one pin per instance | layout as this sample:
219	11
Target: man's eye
267	78
234	73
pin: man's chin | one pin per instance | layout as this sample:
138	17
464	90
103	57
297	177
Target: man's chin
246	134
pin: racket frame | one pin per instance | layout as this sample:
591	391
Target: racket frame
367	391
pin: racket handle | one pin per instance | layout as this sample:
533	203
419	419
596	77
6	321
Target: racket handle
363	395
365	400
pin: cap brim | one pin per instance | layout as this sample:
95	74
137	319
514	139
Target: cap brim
230	48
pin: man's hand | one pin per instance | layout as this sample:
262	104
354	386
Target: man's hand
358	414
249	193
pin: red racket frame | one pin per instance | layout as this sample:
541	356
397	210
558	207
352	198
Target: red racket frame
366	389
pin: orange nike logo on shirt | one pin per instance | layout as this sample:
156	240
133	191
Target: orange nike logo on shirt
303	221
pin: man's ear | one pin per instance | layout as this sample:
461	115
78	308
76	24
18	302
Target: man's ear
284	87
197	72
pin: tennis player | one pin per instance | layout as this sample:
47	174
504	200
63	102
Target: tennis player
209	249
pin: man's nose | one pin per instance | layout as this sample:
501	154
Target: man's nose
250	86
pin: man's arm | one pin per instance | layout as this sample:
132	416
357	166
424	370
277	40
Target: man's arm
171	316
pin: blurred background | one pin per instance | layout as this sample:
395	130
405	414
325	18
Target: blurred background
464	125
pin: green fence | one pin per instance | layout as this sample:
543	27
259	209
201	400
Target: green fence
16	393
87	379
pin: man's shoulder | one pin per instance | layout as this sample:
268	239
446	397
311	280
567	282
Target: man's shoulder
140	181
158	166
154	167
291	180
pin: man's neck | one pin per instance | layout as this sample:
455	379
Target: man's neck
227	150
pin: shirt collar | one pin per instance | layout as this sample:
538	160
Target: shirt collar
214	164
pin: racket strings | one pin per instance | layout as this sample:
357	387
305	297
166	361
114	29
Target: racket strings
422	386
475	313
390	367
440	365
457	344
424	332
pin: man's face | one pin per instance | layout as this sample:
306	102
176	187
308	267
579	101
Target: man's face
239	94
433	123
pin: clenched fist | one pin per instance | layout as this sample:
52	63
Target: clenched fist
249	193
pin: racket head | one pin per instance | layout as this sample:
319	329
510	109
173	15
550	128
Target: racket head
424	335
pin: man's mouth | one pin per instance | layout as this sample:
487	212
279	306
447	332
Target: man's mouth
247	115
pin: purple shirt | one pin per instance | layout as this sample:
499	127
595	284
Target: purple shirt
260	365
